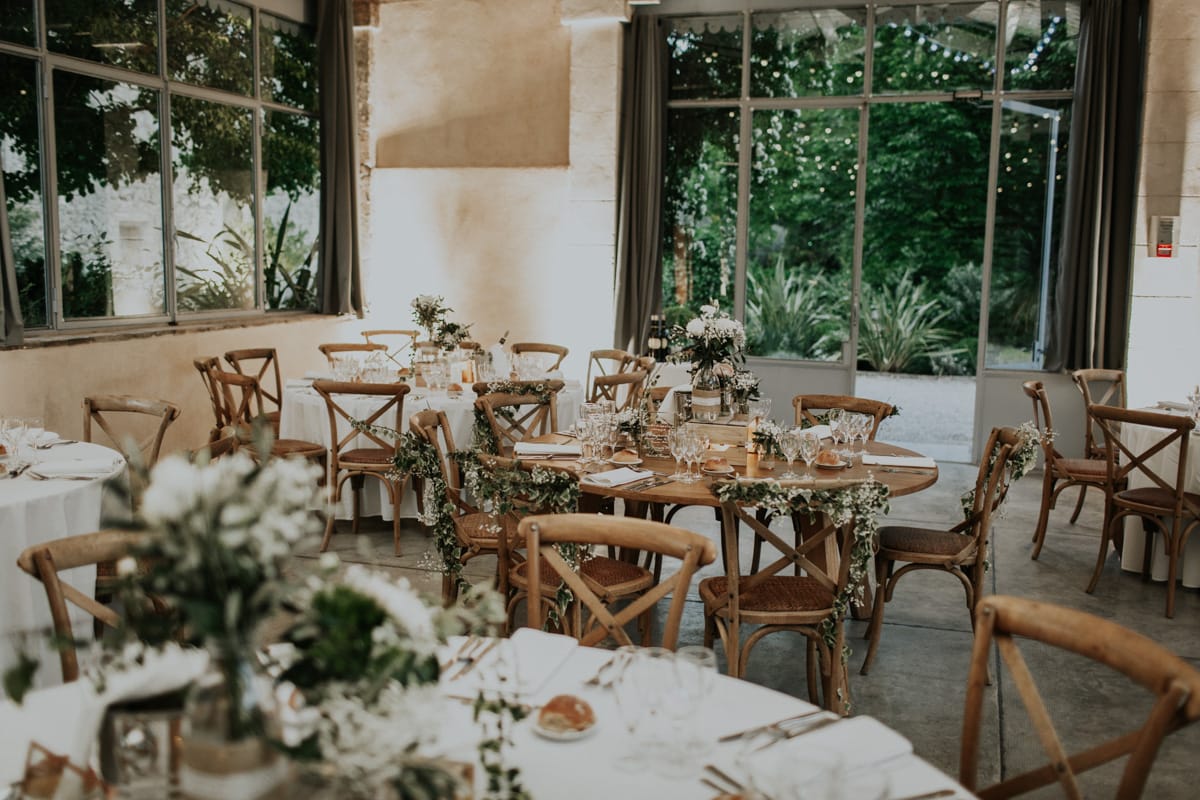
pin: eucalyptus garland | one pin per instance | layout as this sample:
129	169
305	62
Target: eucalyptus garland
484	438
513	490
497	714
1020	462
860	502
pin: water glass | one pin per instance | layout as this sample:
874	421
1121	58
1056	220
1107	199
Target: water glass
677	441
789	443
760	410
630	709
836	419
810	447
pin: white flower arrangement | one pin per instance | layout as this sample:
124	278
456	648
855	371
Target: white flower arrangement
429	311
714	338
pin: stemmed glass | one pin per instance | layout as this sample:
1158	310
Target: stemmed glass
629	706
654	677
789	443
836	418
810	446
696	672
677	440
13	431
862	431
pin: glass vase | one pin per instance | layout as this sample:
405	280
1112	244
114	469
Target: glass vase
707	395
228	722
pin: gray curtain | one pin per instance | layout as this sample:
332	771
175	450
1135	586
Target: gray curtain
1095	269
640	170
12	326
341	282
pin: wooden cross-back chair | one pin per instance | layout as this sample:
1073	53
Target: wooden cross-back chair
516	417
809	406
557	351
239	395
476	531
541	534
334	349
960	551
45	561
1058	472
350	462
624	390
104	411
775	602
1166	497
263	364
608	362
1102	387
408	338
206	366
1172	681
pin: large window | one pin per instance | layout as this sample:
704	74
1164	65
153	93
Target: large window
887	174
149	180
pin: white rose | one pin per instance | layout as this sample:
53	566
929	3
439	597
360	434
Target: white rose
708	310
695	328
172	491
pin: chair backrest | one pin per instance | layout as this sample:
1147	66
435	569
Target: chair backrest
340	443
624	389
1042	417
218	448
44	561
991	487
334	349
1174	683
104	410
407	338
558	351
608	362
809	406
205	366
543	532
434	427
1122	461
263	364
514	418
240	399
1104	387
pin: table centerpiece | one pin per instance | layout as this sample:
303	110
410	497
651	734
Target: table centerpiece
714	343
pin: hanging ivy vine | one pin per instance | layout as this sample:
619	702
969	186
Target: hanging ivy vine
483	437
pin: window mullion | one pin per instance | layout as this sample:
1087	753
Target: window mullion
745	133
50	198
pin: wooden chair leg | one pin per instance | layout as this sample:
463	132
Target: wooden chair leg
1083	487
328	531
1104	536
1039	533
883	574
1173	552
397	492
810	663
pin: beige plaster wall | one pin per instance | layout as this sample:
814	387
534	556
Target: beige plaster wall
471	83
1163	359
494	177
51	382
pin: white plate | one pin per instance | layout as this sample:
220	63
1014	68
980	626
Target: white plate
840	465
563	736
624	463
726	471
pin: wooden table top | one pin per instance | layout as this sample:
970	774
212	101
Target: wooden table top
900	482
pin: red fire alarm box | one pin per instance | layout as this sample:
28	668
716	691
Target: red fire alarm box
1164	236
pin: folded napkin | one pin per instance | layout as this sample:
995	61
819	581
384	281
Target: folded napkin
617	477
899	461
66	719
527	660
822	431
1171	405
46	437
536	449
76	468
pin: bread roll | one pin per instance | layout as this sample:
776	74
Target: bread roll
626	457
828	458
716	464
566	712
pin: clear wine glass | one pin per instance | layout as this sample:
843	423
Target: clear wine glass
677	440
696	672
630	709
862	432
836	419
810	446
789	443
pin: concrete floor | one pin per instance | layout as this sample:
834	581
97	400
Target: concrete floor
917	682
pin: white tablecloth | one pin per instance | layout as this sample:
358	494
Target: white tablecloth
588	768
585	769
1139	438
305	417
32	512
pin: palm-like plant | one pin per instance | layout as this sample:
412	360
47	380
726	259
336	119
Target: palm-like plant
793	313
900	326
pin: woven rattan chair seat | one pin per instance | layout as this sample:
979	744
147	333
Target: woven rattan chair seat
1084	468
374	456
479	529
296	447
778	593
1155	496
904	539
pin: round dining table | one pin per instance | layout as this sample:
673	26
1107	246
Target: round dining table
304	416
59	495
